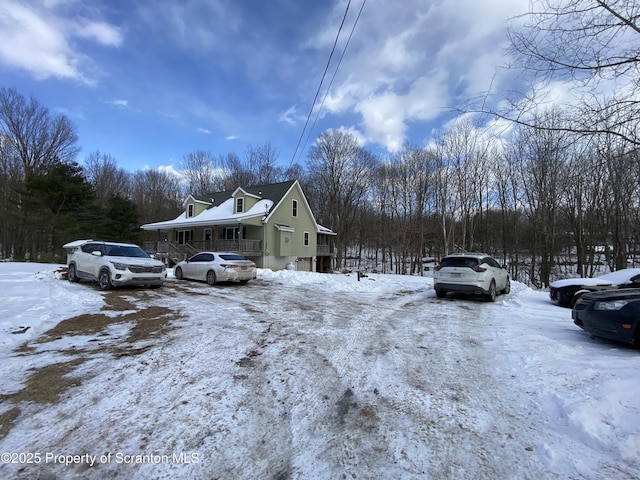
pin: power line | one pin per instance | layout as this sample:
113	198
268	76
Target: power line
326	68
333	77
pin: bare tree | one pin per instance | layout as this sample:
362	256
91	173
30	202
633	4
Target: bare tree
203	172
11	182
157	194
236	173
508	185
38	138
340	173
404	192
32	142
542	154
261	164
466	152
446	199
596	45
623	195
583	204
107	178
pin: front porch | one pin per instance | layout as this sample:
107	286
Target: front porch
171	253
175	245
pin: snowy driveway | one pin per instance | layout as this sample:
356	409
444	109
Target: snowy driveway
317	376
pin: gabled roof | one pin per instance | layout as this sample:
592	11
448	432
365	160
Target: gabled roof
273	191
221	208
192	198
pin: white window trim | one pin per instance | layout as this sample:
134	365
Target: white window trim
242	199
294	211
190	210
306	239
185	234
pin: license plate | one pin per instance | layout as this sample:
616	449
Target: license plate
455	275
243	268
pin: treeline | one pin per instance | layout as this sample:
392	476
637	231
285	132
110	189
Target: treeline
48	199
548	190
543	200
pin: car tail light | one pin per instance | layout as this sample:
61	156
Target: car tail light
229	265
479	269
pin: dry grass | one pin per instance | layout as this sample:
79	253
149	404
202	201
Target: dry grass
46	385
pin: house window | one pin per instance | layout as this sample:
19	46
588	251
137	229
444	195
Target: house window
183	237
190	210
294	208
306	239
240	205
231	233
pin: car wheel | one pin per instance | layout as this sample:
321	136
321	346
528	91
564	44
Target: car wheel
72	275
507	287
178	273
104	280
491	296
244	281
211	277
440	293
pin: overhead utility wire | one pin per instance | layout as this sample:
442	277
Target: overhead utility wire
332	78
326	68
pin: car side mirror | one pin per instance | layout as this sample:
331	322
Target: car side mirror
97	253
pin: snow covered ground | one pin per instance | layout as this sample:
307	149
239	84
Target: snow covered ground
301	375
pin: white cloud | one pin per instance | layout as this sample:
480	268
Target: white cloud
290	116
101	32
29	42
170	169
204	130
386	116
169	115
119	103
36	38
411	64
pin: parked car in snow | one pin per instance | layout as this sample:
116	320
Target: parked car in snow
215	267
567	291
113	264
471	273
612	314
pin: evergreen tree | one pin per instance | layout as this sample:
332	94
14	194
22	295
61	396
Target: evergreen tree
57	207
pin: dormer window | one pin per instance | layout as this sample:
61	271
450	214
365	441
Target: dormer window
240	205
190	210
294	208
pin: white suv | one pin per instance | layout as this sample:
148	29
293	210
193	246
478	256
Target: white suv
471	273
113	264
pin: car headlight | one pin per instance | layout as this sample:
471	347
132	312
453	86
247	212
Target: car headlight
120	266
610	305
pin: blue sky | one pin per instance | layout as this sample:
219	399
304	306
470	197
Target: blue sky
151	81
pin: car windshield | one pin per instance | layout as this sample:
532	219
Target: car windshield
459	262
126	251
232	256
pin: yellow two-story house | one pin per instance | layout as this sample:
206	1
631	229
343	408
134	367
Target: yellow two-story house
272	225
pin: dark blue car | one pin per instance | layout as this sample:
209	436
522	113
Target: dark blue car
612	314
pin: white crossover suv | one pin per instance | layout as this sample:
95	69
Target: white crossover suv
113	264
471	273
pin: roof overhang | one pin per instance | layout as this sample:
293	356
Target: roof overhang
284	228
174	224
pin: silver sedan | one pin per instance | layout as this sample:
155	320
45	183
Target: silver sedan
213	267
